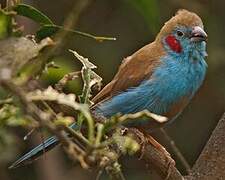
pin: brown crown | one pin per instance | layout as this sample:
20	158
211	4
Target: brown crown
183	17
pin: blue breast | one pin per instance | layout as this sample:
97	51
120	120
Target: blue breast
177	76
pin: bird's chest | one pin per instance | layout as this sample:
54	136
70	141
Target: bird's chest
176	81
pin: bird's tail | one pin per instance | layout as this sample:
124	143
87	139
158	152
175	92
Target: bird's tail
32	155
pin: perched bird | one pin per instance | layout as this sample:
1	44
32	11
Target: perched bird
161	77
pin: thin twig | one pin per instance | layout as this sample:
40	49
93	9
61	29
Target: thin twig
176	151
66	78
69	23
115	172
84	34
28	134
100	172
77	135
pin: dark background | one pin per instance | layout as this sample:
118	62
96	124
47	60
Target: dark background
134	23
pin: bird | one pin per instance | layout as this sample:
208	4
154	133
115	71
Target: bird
161	77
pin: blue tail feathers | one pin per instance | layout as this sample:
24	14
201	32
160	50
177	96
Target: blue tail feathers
32	155
27	158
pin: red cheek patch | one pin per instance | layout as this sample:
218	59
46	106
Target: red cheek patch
173	43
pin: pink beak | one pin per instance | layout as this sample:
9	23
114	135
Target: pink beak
198	34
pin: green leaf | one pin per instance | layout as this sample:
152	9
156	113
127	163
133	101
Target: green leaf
32	13
5	25
149	10
47	31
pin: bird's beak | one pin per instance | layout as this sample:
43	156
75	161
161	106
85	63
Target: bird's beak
198	34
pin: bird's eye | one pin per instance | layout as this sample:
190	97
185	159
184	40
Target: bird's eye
180	33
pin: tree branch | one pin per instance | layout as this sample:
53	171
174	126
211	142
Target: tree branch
74	152
156	159
210	164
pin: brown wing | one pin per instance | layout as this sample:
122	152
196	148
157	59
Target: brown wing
132	71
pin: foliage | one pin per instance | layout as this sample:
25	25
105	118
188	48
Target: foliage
20	68
5	24
32	13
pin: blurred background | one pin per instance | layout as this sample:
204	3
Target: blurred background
134	23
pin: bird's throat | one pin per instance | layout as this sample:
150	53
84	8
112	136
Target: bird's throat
173	43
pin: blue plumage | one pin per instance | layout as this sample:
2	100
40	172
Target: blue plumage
47	145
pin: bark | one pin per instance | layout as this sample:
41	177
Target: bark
209	166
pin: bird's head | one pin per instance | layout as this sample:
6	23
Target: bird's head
183	33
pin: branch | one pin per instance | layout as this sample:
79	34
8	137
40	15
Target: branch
156	159
30	108
210	164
